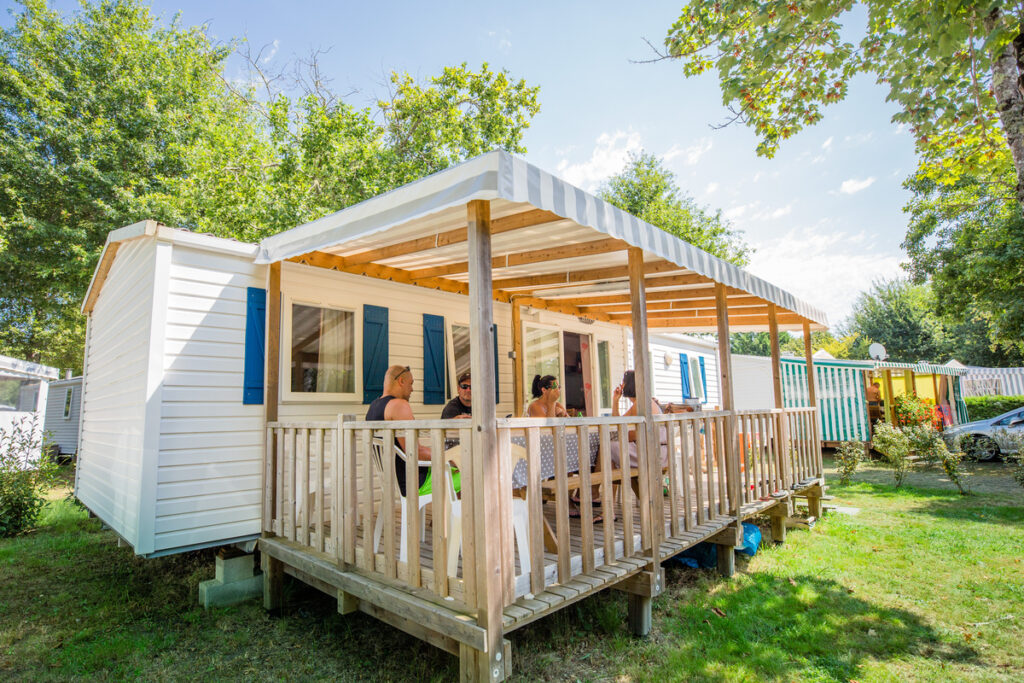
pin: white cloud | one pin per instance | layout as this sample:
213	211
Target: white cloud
827	145
859	138
504	39
710	189
826	269
735	212
273	51
853	186
696	151
783	211
608	157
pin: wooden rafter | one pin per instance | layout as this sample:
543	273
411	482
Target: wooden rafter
694	313
524	219
712	321
674	295
565	251
375	270
676	305
583	276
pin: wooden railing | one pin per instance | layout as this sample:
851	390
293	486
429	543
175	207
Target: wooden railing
704	467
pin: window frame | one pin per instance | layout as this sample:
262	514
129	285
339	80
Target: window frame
528	381
449	355
69	397
286	393
696	382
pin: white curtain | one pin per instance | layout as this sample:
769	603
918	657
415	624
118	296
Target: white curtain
335	372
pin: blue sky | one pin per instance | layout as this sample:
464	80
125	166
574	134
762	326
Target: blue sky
824	216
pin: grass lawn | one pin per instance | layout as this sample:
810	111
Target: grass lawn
918	584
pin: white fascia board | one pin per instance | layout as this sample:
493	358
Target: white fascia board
27	369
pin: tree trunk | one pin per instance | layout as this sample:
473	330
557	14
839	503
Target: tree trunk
1007	88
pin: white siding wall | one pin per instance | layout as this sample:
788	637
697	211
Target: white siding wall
64	432
406	305
668	384
114	395
752	382
210	444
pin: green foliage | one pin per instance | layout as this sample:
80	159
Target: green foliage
895	446
970	245
848	456
984	407
926	442
648	190
779	63
899	315
108	117
911	410
24	471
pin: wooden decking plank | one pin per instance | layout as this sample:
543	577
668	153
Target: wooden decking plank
563	590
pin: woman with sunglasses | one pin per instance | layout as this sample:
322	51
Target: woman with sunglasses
546	393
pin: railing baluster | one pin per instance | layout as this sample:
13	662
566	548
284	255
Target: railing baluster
289	484
269	485
585	496
674	493
700	444
439	512
412	511
561	506
721	429
607	492
369	523
686	460
321	481
302	486
626	490
507	532
535	508
468	461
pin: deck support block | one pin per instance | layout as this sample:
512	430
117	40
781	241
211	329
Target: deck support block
234	580
273	583
473	663
726	560
347	603
639	614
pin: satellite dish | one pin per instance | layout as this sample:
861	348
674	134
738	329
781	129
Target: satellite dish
877	351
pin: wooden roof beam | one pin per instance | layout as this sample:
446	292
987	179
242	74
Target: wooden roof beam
679	305
603	246
578	277
694	313
712	321
674	295
518	221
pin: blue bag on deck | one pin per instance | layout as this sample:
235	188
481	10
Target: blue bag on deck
751	539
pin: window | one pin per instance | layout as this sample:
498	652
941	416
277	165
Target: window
542	353
68	393
696	382
460	351
605	372
323	350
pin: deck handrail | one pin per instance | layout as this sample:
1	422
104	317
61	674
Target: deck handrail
320	490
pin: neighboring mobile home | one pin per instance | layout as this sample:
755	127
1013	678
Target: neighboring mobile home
63	410
225	386
23	390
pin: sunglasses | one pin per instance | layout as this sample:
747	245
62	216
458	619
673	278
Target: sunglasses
405	370
554	385
465	386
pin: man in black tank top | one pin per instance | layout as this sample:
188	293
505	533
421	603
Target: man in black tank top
394	405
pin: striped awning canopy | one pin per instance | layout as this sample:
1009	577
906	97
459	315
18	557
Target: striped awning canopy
922	368
554	246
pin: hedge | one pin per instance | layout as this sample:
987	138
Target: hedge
984	407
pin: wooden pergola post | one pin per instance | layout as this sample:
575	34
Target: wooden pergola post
773	335
909	382
813	496
518	399
483	488
890	409
779	513
273	569
727	550
650	514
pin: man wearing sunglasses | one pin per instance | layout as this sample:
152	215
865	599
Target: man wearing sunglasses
461	405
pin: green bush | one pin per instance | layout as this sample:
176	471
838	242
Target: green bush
848	456
895	447
984	407
24	472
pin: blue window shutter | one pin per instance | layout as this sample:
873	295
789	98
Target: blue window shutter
497	391
703	378
684	374
433	359
255	347
375	351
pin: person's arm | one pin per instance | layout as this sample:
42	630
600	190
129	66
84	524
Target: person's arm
534	410
631	436
399	409
616	395
560	410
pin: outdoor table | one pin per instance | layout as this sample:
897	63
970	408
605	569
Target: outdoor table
547	456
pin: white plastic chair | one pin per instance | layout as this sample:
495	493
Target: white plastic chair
519	515
454	506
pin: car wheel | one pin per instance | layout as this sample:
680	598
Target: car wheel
981	448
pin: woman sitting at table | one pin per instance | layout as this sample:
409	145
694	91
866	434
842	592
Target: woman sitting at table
628	389
546	393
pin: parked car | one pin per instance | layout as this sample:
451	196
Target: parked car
988	439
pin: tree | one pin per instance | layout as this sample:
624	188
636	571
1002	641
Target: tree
848	345
970	247
900	315
952	68
648	190
107	117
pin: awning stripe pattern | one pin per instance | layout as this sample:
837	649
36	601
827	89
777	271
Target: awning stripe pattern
499	175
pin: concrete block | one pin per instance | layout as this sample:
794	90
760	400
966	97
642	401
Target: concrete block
234	582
